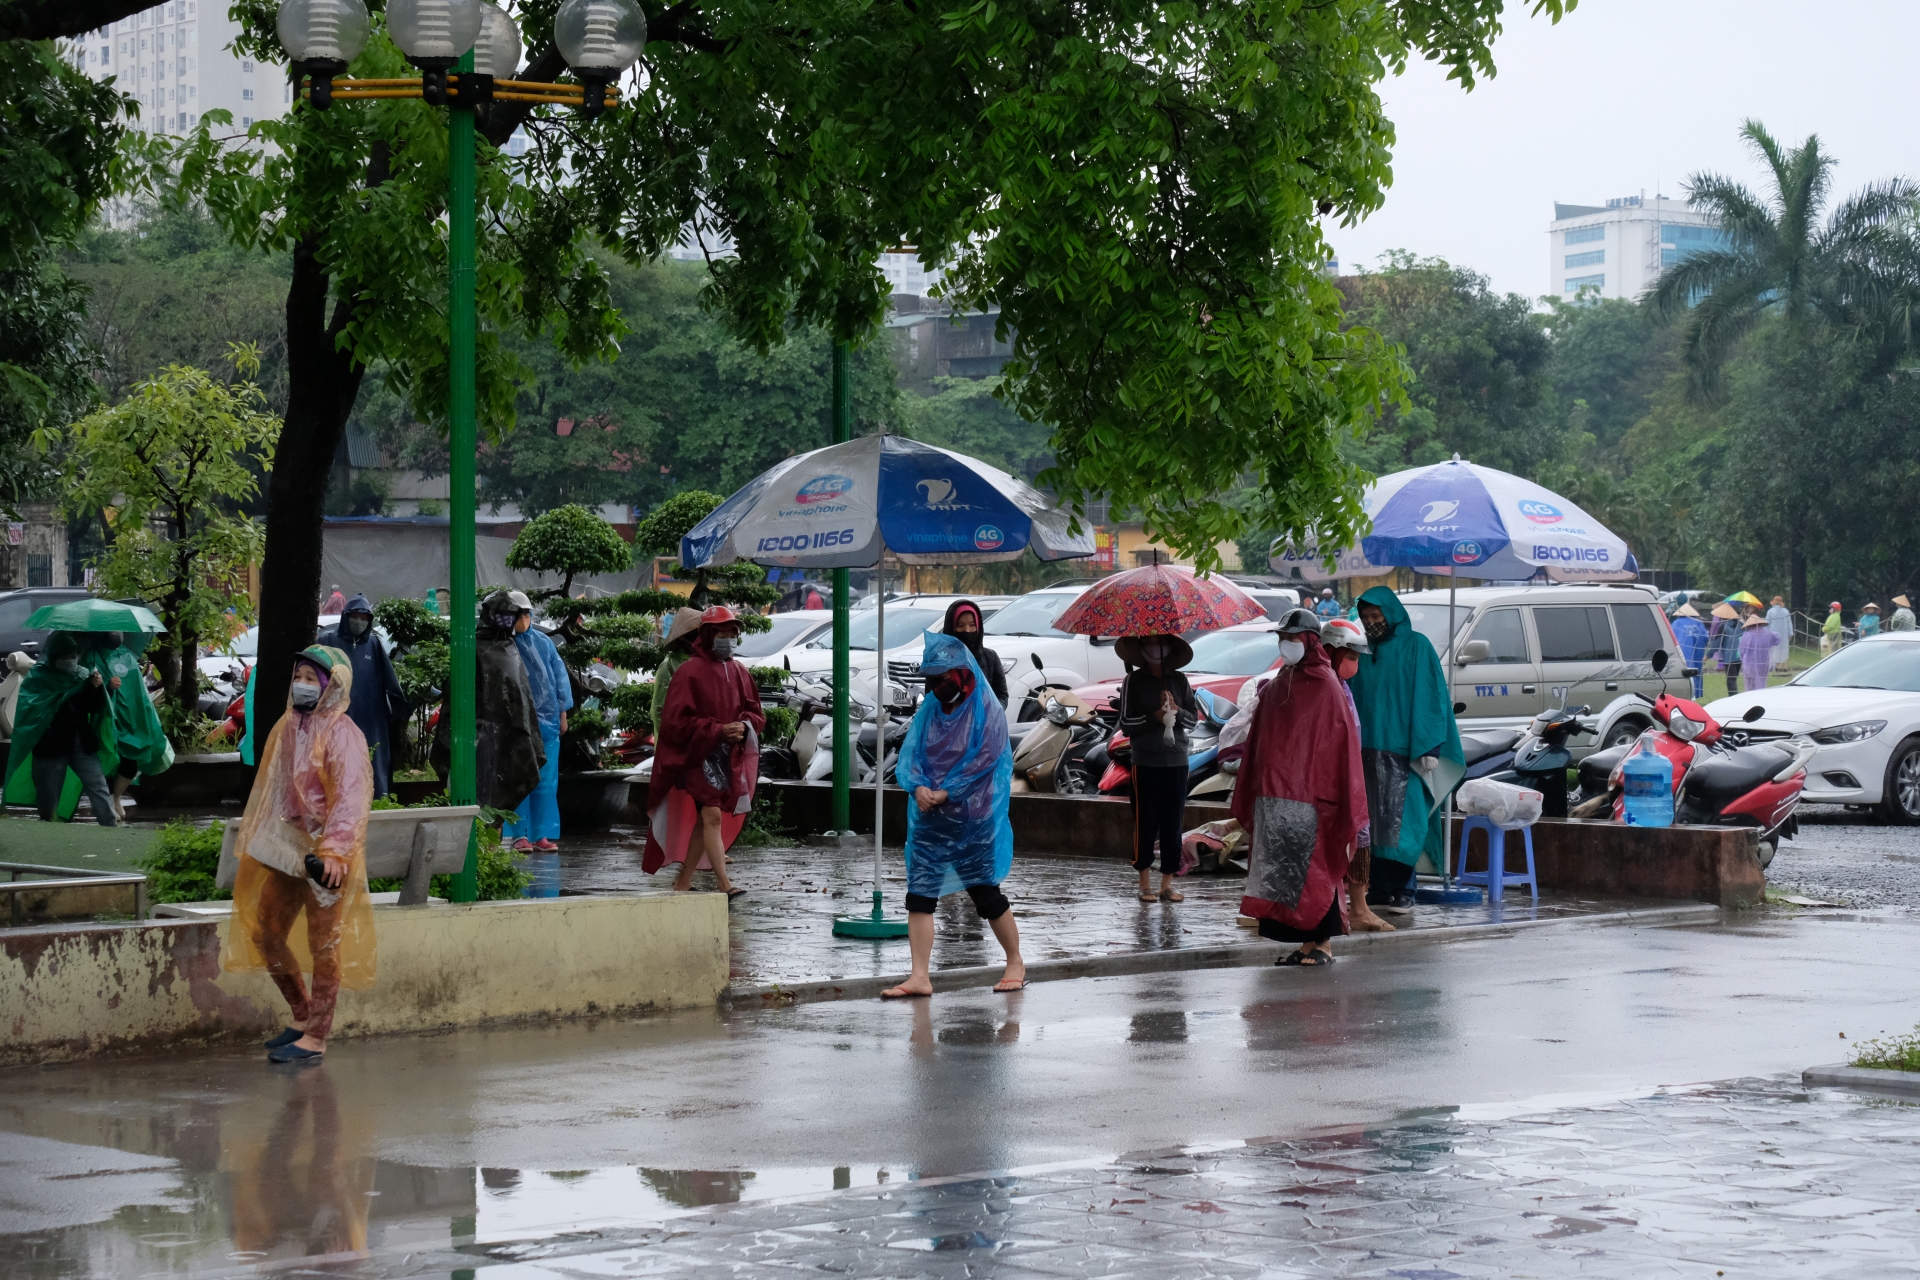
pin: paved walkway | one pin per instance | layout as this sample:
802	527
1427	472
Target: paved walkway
1067	907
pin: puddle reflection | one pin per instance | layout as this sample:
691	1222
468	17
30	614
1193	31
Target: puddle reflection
290	1171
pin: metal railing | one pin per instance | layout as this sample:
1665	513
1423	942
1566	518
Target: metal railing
63	878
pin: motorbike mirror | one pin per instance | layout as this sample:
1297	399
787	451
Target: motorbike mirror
1659	661
1754	713
787	663
1037	664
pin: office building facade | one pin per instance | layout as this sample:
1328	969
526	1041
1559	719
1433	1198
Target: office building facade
174	59
1620	249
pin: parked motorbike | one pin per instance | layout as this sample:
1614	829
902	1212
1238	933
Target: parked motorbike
1540	757
1050	753
810	755
1715	783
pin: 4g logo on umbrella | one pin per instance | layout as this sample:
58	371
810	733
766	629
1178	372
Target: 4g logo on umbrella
1541	512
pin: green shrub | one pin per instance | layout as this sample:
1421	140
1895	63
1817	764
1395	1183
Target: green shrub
765	824
781	723
1895	1053
182	863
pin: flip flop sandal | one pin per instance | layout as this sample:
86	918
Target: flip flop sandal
1019	984
905	995
1292	957
1149	897
1316	960
1172	895
735	893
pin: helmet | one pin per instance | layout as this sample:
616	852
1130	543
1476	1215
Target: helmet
717	615
1344	633
1295	621
520	601
1326	592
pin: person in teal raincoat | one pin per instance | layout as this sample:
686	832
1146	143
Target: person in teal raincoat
138	738
1409	747
63	738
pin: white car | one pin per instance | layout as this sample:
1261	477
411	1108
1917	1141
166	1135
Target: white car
1861	708
908	618
791	631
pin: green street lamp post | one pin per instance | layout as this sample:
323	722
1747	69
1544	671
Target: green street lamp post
479	45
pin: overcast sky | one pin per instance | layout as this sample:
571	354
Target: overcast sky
1630	95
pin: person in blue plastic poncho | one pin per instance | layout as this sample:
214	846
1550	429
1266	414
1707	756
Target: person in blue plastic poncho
536	823
1692	635
958	765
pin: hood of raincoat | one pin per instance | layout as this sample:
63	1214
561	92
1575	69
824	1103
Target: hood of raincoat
963	751
1401	690
136	723
971	639
508	753
359	604
42	692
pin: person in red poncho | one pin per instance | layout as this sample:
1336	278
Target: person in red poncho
1301	797
706	759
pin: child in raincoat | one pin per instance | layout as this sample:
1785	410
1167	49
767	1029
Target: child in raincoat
302	850
958	766
63	736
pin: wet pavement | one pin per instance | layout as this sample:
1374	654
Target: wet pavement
1404	1087
1067	908
1843	856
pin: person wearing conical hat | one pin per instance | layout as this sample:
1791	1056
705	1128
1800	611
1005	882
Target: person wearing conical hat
1869	620
1902	619
1723	643
1759	649
1692	635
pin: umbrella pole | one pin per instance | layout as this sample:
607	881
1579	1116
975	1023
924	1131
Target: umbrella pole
876	925
1446	810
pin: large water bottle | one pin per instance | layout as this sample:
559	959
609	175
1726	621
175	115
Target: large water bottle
1647	779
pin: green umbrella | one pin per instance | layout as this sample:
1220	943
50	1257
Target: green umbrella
94	615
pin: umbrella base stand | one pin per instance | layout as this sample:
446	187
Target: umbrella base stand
1450	896
877	925
834	840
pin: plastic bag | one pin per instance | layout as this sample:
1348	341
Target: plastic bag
1505	805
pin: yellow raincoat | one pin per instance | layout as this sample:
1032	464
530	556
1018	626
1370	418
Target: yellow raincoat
312	794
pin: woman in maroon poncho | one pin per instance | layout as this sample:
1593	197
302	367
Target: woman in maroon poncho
1302	800
706	758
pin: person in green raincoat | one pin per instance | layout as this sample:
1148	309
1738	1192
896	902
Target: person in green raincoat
138	738
63	736
1409	747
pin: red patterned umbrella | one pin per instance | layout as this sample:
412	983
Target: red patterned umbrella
1158	599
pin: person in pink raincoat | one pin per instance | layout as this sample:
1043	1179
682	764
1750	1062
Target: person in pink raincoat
1758	647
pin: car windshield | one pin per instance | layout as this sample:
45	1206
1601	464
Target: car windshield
1430	620
1874	664
1234	653
903	627
787	630
1031	615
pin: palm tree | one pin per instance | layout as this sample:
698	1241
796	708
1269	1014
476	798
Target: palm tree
1859	271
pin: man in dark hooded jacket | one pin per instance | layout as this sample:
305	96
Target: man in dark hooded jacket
507	751
377	703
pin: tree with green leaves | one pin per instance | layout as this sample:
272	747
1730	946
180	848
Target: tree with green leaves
1139	190
571	541
660	533
165	467
1855	275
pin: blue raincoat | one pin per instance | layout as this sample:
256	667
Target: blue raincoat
968	840
1692	635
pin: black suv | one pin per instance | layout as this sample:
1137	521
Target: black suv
17	606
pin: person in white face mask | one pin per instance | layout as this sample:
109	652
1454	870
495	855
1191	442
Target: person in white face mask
1157	712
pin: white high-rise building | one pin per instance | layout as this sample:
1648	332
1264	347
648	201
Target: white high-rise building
174	59
1619	249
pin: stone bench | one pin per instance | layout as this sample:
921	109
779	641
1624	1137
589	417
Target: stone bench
416	844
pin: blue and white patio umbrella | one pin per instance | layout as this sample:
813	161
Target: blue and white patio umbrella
1455	517
848	505
841	506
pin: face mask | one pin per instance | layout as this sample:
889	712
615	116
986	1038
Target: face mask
1345	665
722	647
356	626
950	687
1291	651
66	665
1378	631
503	621
306	697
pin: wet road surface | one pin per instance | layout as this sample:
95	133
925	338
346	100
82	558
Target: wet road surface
1841	856
405	1148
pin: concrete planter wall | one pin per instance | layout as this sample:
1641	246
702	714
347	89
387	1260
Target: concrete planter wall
196	781
71	992
592	800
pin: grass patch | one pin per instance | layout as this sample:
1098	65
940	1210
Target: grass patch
1894	1053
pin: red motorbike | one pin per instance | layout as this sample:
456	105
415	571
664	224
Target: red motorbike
1717	780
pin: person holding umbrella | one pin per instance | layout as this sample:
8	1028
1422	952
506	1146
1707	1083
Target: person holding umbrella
1406	730
957	763
1302	797
1157	713
63	724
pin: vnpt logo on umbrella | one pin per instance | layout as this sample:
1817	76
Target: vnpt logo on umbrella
988	537
1467	553
823	489
1435	512
1541	512
940	494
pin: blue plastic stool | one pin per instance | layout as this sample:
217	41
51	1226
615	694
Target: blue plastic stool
1496	877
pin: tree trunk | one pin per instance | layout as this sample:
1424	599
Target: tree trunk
187	678
322	383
